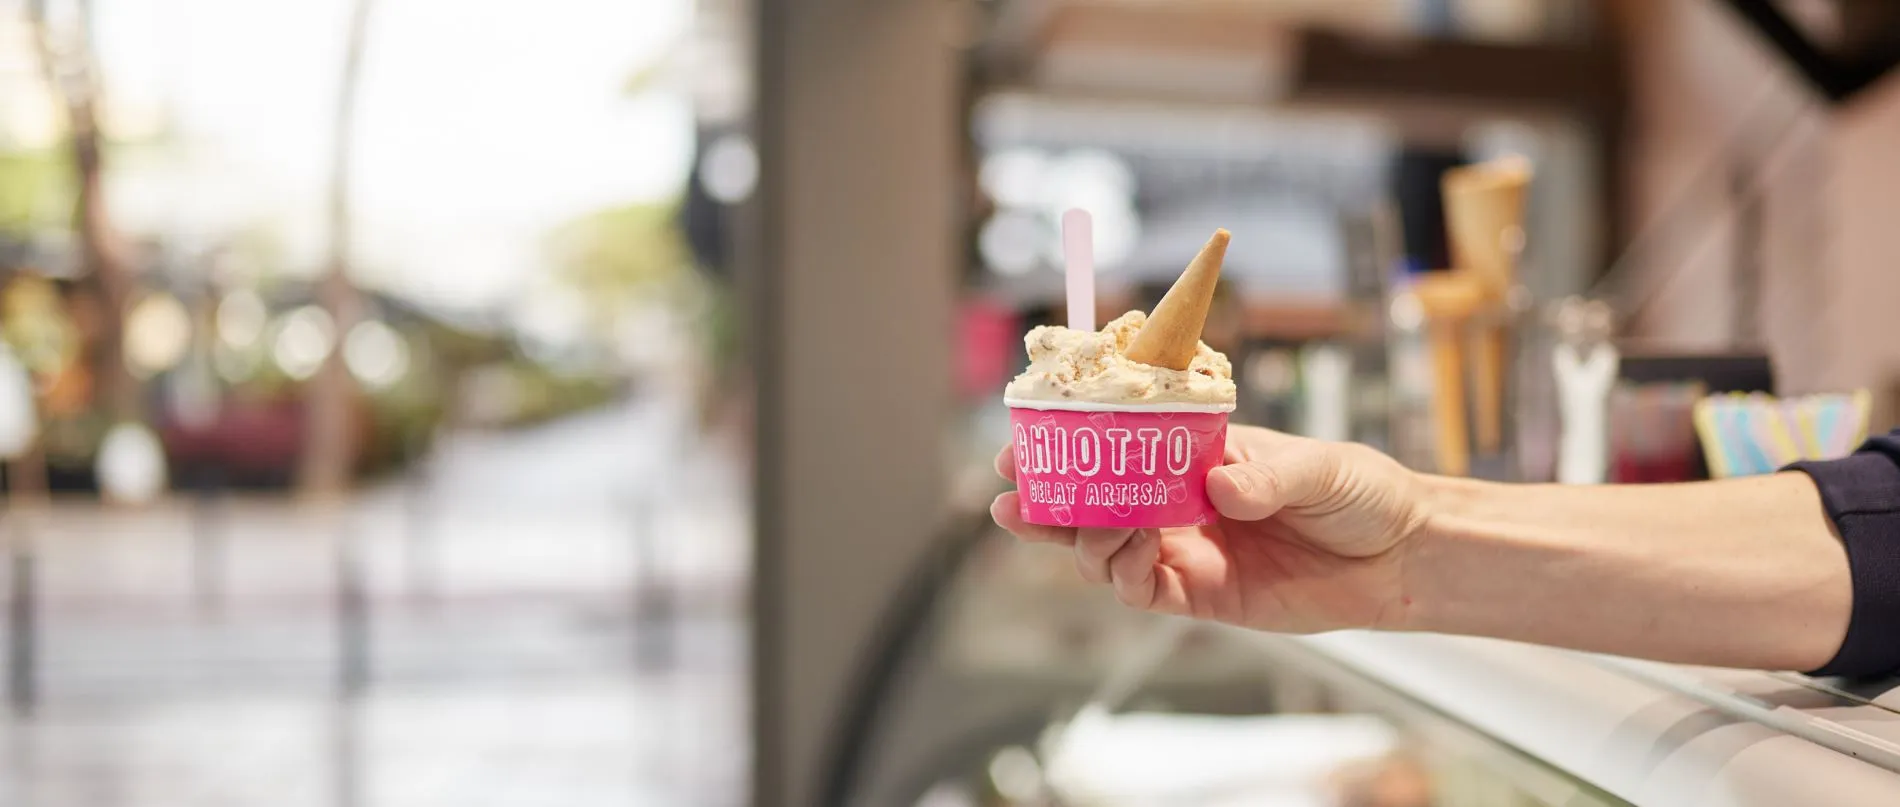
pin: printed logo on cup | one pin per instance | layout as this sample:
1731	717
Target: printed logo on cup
1116	469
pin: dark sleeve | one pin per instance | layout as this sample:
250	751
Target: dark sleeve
1862	495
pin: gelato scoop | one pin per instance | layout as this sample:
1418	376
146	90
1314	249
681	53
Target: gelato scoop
1069	366
1137	359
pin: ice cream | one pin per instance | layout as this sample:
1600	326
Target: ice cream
1069	366
1120	427
1136	359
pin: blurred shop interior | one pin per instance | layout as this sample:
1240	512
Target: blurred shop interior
1697	258
417	402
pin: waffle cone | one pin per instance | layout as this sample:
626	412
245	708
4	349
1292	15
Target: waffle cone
1172	334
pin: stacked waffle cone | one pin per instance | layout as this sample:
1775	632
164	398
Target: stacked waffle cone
1484	216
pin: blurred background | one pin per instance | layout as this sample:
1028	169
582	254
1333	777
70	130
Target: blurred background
369	363
585	402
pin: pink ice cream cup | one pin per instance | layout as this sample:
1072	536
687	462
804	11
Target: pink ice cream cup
1116	465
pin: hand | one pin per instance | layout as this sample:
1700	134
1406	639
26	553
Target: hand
1313	536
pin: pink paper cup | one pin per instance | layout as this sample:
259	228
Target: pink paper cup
1107	465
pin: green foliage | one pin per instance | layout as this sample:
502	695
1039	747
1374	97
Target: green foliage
401	424
620	255
542	395
32	183
645	79
656	72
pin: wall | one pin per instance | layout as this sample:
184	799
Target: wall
852	248
1831	213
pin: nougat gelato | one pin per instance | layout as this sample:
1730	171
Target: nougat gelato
1070	366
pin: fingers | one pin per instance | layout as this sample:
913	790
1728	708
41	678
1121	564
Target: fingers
1006	463
1094	546
1008	513
1245	491
1132	569
1278	475
1128	560
1170	592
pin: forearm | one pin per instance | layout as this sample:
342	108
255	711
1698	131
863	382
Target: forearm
1744	573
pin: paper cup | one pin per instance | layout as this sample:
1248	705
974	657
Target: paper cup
1107	465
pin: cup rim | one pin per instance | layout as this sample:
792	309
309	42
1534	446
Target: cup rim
1091	406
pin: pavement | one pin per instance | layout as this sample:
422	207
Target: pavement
545	617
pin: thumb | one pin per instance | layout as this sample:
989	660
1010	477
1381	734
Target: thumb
1299	473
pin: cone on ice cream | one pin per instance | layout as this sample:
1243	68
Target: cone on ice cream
1172	334
1106	436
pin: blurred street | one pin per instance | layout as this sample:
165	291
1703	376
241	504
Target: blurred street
538	610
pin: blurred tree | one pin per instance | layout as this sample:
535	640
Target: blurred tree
32	182
331	436
67	62
33	321
621	256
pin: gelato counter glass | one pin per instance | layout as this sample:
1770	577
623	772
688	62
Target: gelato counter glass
1003	680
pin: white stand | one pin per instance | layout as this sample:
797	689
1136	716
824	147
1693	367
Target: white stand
131	464
1583	400
1327	371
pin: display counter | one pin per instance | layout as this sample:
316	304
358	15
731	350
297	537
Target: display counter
1018	685
1645	732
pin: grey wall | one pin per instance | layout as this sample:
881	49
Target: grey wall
853	244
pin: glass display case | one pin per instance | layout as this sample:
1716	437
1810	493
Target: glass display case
1008	681
1023	686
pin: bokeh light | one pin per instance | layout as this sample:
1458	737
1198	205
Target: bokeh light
730	169
376	354
1014	177
1012	242
157	334
304	339
241	318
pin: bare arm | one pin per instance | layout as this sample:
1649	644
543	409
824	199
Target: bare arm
1741	573
1318	536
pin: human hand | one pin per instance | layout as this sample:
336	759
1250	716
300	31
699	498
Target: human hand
1313	536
